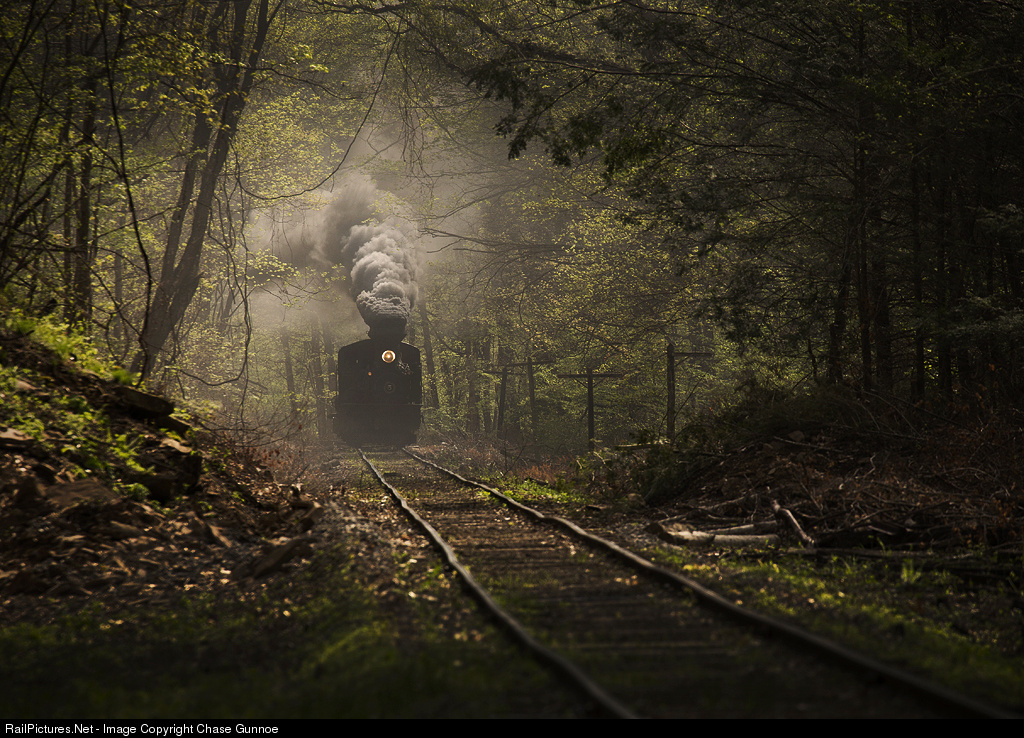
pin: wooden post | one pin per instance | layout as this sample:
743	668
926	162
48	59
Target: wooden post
501	400
590	410
590	375
533	396
472	398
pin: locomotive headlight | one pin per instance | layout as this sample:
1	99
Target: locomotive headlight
388	356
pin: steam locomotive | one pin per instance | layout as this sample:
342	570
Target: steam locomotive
379	392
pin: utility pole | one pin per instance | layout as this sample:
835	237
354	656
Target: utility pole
529	364
671	360
590	375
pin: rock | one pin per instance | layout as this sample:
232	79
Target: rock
144	404
70	493
13	438
178	470
162	487
45	472
114	529
173	424
174	445
29	495
313	514
276	557
211	533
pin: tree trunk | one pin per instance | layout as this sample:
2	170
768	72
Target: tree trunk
289	373
81	249
180	280
428	357
317	368
837	330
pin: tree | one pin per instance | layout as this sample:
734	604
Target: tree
842	166
227	88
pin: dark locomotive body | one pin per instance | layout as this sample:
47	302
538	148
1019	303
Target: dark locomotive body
379	393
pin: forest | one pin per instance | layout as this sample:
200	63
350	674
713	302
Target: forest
782	195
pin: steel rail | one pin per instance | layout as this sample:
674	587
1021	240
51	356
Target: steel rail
925	688
565	669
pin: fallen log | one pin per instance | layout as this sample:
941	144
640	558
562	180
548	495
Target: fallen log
787	516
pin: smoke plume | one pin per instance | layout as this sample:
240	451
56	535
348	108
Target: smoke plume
383	271
380	261
379	258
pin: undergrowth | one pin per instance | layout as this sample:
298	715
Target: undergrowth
832	417
327	642
926	620
64	342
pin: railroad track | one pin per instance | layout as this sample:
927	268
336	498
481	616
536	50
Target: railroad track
635	640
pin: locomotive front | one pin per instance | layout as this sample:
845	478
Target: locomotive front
379	393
